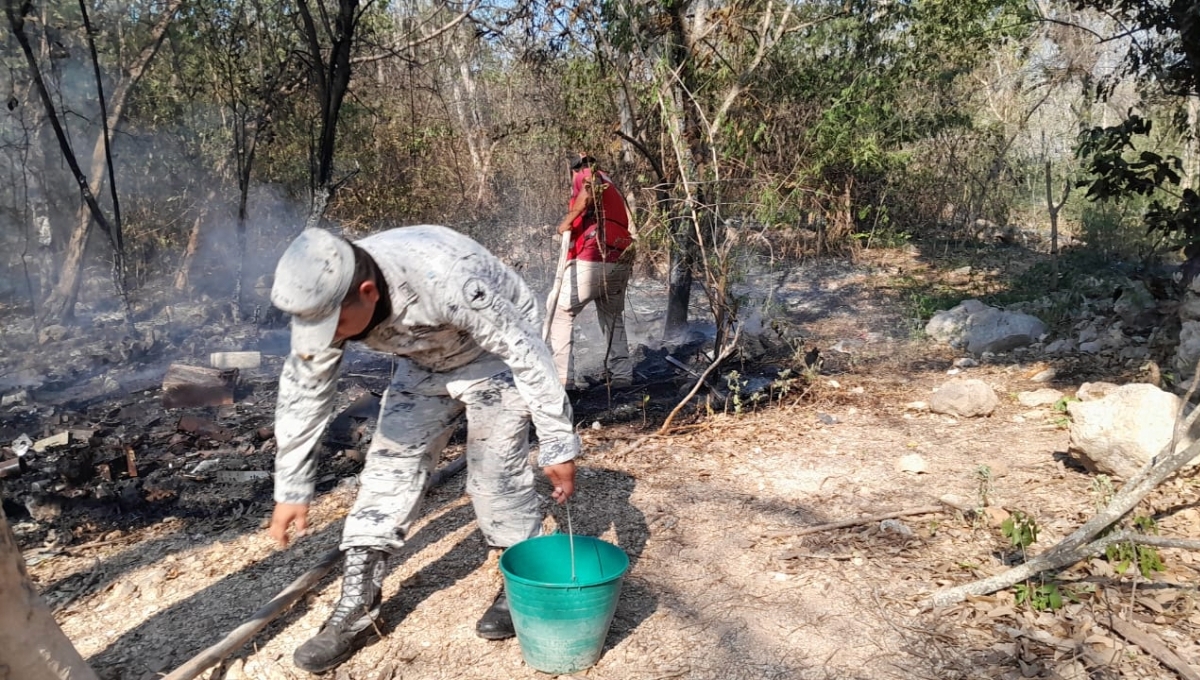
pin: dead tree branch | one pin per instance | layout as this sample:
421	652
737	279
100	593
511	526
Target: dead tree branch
1083	542
1154	647
844	523
666	426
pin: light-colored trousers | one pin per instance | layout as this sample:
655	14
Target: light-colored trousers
584	283
419	413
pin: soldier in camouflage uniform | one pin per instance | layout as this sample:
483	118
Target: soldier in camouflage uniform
465	327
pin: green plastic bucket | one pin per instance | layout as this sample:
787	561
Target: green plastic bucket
561	624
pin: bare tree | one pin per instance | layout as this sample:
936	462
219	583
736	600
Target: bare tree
331	74
60	305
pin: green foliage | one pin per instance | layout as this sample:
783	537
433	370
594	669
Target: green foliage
1122	170
1102	490
1162	61
1108	151
1127	553
733	380
1060	406
1045	596
1020	529
983	474
923	300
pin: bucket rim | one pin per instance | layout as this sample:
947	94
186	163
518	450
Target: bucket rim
564	586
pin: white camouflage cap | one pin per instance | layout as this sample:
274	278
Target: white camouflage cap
311	280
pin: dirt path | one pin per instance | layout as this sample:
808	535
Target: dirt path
720	586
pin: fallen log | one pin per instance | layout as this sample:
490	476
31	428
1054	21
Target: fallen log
242	634
284	600
1154	647
184	386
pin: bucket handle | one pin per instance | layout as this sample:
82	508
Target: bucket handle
571	541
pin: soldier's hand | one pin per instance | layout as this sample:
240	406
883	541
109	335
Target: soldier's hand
284	516
562	476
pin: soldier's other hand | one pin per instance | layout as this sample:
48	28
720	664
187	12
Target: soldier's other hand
562	476
284	516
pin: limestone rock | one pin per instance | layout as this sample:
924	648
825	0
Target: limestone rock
1061	346
1121	432
964	398
979	328
1188	352
1133	301
1042	397
53	333
1092	391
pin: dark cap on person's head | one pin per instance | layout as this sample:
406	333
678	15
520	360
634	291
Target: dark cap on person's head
579	160
311	280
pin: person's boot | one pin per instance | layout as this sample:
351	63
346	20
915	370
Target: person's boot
496	623
354	614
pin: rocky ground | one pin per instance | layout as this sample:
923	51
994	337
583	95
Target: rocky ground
733	575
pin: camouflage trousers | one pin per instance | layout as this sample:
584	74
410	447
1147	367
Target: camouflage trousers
419	413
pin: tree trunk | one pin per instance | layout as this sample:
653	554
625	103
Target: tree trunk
32	646
1191	158
333	81
472	116
61	303
193	244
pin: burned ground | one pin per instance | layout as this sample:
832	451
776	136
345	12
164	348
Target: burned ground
143	572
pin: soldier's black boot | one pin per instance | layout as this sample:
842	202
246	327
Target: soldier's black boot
496	623
353	617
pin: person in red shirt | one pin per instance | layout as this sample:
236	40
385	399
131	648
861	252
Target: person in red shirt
597	271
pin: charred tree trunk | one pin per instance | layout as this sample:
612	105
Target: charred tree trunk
333	81
687	141
679	279
32	646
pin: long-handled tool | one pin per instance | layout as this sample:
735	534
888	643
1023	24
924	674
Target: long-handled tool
552	301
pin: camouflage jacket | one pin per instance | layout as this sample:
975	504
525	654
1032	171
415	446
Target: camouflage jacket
454	305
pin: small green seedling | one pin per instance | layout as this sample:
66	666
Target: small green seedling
1020	529
1044	597
1127	553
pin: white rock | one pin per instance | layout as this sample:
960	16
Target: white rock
1092	391
1044	376
895	526
1121	432
979	328
1060	346
965	362
1042	397
1188	351
964	398
912	463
